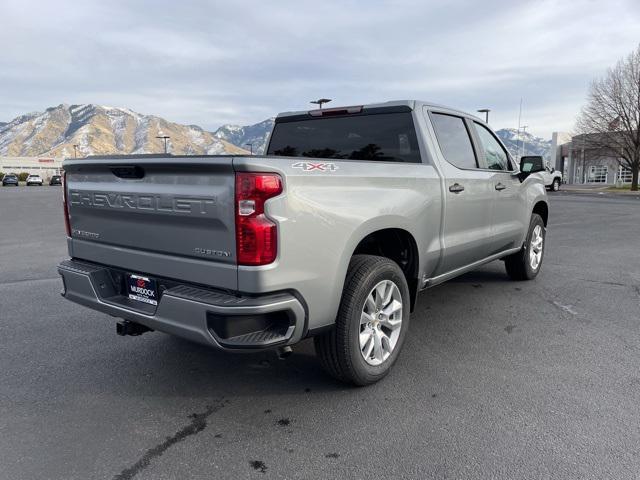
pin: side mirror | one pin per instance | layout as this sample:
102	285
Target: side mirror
529	165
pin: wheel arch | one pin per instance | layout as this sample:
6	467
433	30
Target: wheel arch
542	208
398	245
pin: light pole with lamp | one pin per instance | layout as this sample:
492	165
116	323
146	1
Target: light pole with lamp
320	101
165	138
486	114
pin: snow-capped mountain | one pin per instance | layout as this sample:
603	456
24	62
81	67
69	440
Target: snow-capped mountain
532	145
98	129
257	135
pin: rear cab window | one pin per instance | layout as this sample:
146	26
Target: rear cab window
387	137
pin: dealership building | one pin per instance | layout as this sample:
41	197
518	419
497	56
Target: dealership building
43	166
582	163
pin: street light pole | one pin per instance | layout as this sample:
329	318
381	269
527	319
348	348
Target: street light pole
486	114
75	151
250	147
165	138
320	101
524	131
519	121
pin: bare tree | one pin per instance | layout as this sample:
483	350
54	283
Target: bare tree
610	121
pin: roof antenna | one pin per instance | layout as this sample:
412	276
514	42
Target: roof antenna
320	101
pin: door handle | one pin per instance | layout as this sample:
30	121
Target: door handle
456	188
500	186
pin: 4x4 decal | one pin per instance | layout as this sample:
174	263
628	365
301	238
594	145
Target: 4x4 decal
311	166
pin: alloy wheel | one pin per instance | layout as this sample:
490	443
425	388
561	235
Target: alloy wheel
380	322
535	247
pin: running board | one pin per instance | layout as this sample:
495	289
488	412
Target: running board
432	282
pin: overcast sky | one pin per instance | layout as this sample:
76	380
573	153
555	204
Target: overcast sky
209	63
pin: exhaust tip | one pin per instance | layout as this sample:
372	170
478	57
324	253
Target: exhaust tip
284	352
134	329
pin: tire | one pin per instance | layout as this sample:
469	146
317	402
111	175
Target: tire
521	266
339	350
555	186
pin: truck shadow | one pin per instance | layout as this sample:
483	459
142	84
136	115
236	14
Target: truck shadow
165	366
161	365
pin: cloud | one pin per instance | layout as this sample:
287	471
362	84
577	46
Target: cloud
209	63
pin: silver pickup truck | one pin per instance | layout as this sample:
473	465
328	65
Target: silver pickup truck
333	233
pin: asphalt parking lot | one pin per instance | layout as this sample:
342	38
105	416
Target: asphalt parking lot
497	379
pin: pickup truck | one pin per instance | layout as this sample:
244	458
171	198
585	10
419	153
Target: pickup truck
333	233
551	177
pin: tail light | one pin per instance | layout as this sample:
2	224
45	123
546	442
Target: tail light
67	224
256	235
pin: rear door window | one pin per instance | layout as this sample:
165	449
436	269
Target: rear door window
454	140
388	137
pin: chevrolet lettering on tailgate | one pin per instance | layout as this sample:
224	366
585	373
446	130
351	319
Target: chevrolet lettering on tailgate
132	201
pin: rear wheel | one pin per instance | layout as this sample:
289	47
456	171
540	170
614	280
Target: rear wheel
371	324
555	186
526	264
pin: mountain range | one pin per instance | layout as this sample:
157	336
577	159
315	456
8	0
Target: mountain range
253	137
530	144
99	129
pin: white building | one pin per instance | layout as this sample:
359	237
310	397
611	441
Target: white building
43	166
581	163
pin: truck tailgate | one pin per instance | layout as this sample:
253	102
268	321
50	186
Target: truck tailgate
165	216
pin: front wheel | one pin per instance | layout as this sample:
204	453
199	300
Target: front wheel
371	324
555	186
526	264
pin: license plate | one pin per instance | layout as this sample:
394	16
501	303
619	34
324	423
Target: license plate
143	289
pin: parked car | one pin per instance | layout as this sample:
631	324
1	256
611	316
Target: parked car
10	179
34	180
551	177
55	180
333	233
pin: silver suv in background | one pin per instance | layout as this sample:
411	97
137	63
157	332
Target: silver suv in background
352	212
10	179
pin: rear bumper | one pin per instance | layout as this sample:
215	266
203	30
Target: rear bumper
206	316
